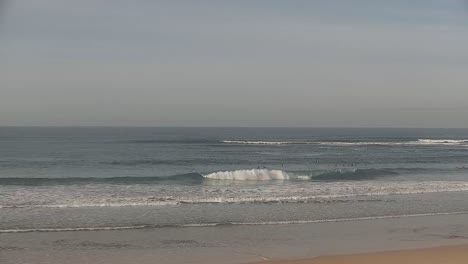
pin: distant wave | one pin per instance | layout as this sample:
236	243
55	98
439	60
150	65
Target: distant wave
442	141
364	143
250	142
167	141
452	142
193	225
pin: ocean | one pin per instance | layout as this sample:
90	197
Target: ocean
90	178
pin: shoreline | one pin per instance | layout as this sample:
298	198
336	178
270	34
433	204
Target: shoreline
457	254
235	244
271	223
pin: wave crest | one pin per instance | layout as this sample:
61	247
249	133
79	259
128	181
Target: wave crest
419	142
251	142
249	175
443	141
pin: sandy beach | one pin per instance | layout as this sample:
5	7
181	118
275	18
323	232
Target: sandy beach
438	255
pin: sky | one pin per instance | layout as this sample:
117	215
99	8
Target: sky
254	63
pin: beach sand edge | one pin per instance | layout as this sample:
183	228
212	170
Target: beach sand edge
437	255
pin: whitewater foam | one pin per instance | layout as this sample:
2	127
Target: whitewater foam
451	142
250	142
249	175
442	141
293	192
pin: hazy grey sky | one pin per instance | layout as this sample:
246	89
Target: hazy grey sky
234	63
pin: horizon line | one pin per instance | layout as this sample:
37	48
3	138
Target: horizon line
310	127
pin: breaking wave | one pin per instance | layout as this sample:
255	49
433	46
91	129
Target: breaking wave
249	175
196	178
252	175
422	142
166	141
250	142
419	142
268	175
442	141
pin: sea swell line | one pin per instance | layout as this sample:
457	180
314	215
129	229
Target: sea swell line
188	177
252	175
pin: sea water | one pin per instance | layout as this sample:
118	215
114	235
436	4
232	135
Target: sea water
87	178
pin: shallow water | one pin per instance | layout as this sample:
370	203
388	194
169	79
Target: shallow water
233	244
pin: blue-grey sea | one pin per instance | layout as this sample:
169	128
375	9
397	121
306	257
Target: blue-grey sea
88	178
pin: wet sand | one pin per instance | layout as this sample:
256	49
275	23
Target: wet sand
439	255
250	244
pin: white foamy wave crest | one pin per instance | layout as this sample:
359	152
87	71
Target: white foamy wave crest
443	141
452	142
248	142
379	143
249	175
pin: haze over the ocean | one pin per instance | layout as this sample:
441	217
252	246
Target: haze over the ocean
234	63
